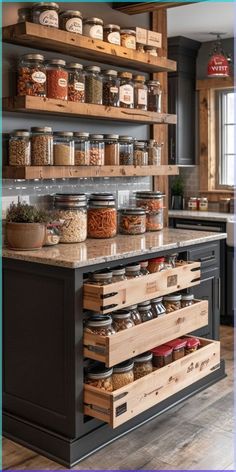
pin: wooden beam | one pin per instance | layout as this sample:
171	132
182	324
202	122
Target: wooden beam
145	7
226	82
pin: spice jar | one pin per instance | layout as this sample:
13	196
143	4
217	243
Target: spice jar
140	92
203	204
132	221
31	76
57	79
158	308
63	148
145	311
152	50
118	274
133	271
102	278
97	150
111	34
178	346
102	216
128	38
93	85
142	365
154	153
140	154
187	299
45	13
71	20
135	315
111	86
151	201
126	150
93	28
98	324
156	265
19	148
172	303
72	211
123	374
154	96
82	148
122	320
193	204
41	146
162	356
144	267
76	82
192	344
126	90
111	150
100	377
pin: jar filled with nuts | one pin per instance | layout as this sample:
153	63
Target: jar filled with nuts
145	310
111	150
122	320
118	274
135	315
63	148
46	14
187	300
100	377
142	365
57	79
140	154
93	85
101	325
111	87
128	38
19	148
76	82
123	374
71	20
112	34
72	213
140	92
42	146
102	216
93	28
126	150
133	271
172	303
154	96
82	148
31	75
97	150
126	90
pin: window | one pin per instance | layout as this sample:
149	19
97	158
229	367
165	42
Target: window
226	144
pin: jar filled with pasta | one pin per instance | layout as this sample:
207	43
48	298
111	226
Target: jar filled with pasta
63	148
140	154
111	87
19	148
97	150
154	220
93	85
41	146
102	216
111	149
143	365
82	148
140	92
132	221
126	90
57	79
71	20
112	34
46	14
99	324
126	150
76	82
123	374
31	76
151	201
72	212
122	320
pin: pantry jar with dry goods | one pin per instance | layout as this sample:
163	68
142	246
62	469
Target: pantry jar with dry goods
31	75
72	213
111	34
93	28
157	264
140	47
193	203
82	148
178	346
151	201
76	82
97	150
133	271
126	150
128	38
122	320
42	146
187	299
154	153
144	267
71	20
102	278
111	149
192	344
158	308
46	14
162	356
152	50
57	79
111	87
99	324
172	303
102	216
100	377
63	148
132	221
140	92
126	90
154	96
145	311
19	148
123	374
140	153
203	204
93	85
135	315
142	365
118	274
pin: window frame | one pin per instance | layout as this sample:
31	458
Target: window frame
220	111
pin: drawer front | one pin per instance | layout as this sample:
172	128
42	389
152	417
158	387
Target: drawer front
107	298
208	256
129	343
124	404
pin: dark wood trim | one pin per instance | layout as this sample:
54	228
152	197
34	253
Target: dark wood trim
145	7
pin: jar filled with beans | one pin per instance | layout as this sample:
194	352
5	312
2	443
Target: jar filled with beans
82	148
71	20
102	216
123	374
187	300
128	38
132	221
93	85
140	153
72	213
93	28
154	96
31	76
126	150
154	153
135	315
122	320
126	90
63	148
142	365
20	148
101	325
97	150
46	14
140	92
57	79
111	34
111	87
76	82
112	150
100	377
172	303
42	146
145	310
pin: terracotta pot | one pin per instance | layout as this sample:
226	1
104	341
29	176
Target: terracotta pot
25	236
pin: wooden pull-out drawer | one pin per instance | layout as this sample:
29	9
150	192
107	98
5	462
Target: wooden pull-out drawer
107	298
124	404
129	343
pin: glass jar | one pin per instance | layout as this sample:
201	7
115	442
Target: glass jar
145	311
93	85
24	14
102	278
154	220
100	377
126	93
192	344
111	87
187	300
73	214
98	324
41	146
140	47
19	148
140	154
52	236
162	356
154	153
140	92
71	20
172	303
76	82
97	150
154	96
170	260
111	149
156	265
133	271
118	274
135	315
57	79
193	204
132	221
142	365
82	148
93	28
151	201
152	50
102	216
126	150
158	308
123	374
46	14
178	346
144	267
111	34
203	204
128	38
63	148
31	76
122	320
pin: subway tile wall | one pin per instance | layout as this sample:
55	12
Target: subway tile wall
190	177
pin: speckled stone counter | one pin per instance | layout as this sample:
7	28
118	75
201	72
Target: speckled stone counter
201	215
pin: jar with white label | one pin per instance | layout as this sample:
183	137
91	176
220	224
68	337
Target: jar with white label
57	79
140	154
203	204
112	34
93	85
126	90
193	203
128	38
111	87
76	82
93	28
46	14
71	20
31	75
140	92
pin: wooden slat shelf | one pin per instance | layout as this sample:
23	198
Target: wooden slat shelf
52	39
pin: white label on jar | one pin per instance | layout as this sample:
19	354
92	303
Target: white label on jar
49	18
127	94
95	31
114	38
114	90
74	25
129	42
142	97
79	86
62	82
39	77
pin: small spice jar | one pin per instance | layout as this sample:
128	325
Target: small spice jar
203	204
111	34
158	308
154	153
41	146
101	325
71	20
111	87
154	96
100	377
192	344
73	214
93	85
123	374
142	365
145	311
144	267
162	355
46	14
19	148
126	150
193	204
76	82
118	274
135	315
93	28
102	278
82	148
112	156
140	92
178	346
97	150
156	265
187	300
102	216
126	93
133	271
122	320
140	154
31	76
128	38
152	50
57	79
172	303
63	148
132	221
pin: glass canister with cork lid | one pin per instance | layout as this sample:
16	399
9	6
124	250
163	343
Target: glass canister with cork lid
72	211
126	90
96	150
140	92
102	216
19	148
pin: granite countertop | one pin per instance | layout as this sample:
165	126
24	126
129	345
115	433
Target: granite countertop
99	251
201	215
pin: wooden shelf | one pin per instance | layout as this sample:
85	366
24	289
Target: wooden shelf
52	39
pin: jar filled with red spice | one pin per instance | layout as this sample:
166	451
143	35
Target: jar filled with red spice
57	79
102	216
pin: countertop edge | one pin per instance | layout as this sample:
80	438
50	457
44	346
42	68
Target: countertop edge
209	216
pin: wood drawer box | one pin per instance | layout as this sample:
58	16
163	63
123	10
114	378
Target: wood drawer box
107	298
129	343
124	404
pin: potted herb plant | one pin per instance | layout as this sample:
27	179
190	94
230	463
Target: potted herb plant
177	193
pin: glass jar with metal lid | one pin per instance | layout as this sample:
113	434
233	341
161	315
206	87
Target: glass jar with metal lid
103	277
122	320
132	221
102	216
93	28
123	374
154	153
76	82
126	150
145	311
111	87
151	201
71	20
97	150
135	315
19	148
100	377
118	274
101	325
140	92
82	148
140	153
144	267
93	85
41	146
158	308
152	50
187	299
46	14
72	213
172	303
143	365
63	148
133	270
31	75
157	264
154	96
57	79
112	149
112	34
126	90
128	38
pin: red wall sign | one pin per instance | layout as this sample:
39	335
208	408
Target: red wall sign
218	66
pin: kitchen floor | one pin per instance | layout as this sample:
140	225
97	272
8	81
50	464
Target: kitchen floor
195	435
